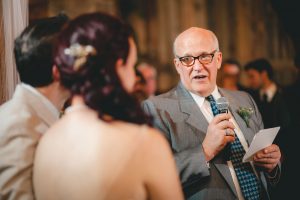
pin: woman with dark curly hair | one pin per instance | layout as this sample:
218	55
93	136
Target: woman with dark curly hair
101	148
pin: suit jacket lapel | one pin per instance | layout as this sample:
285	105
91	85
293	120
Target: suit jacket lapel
224	170
188	105
198	120
248	134
233	107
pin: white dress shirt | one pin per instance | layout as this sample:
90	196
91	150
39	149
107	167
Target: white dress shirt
270	92
205	108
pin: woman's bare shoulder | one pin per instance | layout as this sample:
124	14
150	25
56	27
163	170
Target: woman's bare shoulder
150	135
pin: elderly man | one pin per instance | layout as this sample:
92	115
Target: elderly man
208	147
35	106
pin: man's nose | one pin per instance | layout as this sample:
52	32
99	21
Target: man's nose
197	65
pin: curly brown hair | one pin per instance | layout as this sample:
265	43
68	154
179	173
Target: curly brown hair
96	79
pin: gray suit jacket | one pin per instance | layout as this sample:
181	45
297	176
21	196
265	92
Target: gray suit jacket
23	120
181	121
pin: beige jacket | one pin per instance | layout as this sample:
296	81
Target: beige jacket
23	120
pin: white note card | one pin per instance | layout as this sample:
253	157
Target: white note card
261	140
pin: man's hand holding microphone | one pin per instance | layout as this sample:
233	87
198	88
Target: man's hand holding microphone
220	131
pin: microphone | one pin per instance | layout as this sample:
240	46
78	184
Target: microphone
222	105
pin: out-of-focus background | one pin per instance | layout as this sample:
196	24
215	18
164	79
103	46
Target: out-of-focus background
247	29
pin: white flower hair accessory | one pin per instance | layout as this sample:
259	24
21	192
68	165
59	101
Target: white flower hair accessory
80	52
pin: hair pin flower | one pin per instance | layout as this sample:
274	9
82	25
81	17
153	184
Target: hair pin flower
245	114
80	52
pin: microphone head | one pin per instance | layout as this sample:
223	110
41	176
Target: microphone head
222	105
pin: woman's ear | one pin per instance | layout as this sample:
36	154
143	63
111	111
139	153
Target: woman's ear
120	67
55	73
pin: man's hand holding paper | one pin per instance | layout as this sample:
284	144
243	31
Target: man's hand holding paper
262	152
268	158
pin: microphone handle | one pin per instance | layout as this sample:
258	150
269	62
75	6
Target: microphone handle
223	111
226	150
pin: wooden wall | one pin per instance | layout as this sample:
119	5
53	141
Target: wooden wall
247	29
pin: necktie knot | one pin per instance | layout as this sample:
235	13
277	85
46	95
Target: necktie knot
210	98
213	104
265	97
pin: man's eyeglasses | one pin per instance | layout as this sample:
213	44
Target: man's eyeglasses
203	59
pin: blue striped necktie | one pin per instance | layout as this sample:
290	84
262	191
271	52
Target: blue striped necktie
247	179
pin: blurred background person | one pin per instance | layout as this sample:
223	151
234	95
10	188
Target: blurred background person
292	97
34	107
149	73
274	110
267	94
230	75
101	149
140	87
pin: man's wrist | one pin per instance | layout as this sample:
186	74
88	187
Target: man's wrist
208	156
273	173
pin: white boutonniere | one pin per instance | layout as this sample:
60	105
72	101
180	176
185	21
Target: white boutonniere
245	114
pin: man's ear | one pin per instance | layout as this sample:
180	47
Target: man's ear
176	63
219	59
55	73
264	74
119	67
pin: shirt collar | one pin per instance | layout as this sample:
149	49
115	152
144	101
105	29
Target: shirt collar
200	100
43	106
270	92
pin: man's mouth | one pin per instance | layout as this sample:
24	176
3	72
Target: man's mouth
199	77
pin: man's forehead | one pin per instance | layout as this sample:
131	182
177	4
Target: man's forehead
195	40
193	46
